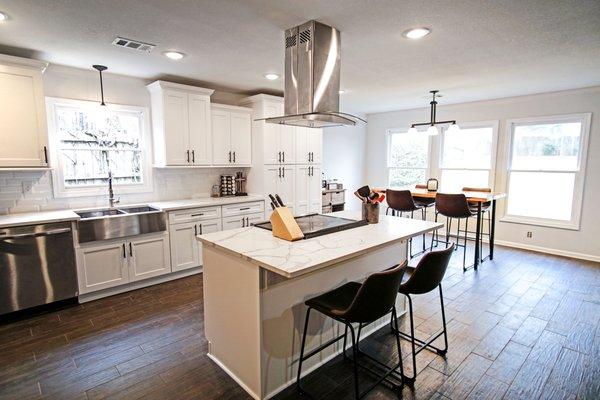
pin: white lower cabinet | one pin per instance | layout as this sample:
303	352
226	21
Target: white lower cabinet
184	246
148	257
107	264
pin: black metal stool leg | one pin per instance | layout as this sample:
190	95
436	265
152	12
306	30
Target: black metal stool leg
445	349
465	248
354	361
344	345
302	351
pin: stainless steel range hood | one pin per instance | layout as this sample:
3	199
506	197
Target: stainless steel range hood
312	78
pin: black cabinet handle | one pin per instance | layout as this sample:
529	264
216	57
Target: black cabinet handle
197	215
46	154
283	156
195	230
229	156
234	156
247	221
279	174
283	172
124	254
193	157
130	249
279	157
187	155
200	227
245	208
243	222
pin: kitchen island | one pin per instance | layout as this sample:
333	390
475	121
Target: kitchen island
255	286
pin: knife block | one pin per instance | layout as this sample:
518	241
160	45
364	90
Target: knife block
284	225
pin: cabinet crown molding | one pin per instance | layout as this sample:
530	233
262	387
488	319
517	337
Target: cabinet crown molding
229	107
157	85
23	62
261	97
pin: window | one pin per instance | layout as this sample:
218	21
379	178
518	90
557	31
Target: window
88	141
408	156
546	170
468	156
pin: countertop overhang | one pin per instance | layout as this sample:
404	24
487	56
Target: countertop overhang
292	259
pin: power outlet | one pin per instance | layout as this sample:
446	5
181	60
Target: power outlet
529	235
27	185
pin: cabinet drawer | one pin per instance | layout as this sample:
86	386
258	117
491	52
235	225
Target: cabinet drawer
243	208
337	197
326	198
241	221
194	214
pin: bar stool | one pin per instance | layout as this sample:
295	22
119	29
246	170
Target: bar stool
358	303
401	201
454	206
424	278
485	209
424	202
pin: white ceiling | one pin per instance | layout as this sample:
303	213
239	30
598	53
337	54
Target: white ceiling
477	49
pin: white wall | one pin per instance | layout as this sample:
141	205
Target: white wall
344	159
32	191
584	243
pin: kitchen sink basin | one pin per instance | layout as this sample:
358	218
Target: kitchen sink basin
99	213
114	223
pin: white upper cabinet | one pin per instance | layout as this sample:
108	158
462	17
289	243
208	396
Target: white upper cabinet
308	192
23	141
231	135
309	145
181	124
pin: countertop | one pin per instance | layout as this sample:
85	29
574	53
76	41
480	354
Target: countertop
42	217
204	202
292	259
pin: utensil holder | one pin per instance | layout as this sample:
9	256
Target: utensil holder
370	212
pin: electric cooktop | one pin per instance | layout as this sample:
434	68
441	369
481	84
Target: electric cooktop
314	225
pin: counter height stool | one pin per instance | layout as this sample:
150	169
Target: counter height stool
400	202
359	303
424	278
454	206
485	209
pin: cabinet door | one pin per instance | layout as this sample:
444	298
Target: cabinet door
315	144
200	133
302	155
184	246
176	127
271	180
241	137
148	257
23	117
210	226
102	266
233	222
221	137
302	190
287	143
271	134
315	192
286	186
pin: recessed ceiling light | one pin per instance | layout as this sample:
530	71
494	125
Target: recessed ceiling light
174	55
3	17
416	33
271	77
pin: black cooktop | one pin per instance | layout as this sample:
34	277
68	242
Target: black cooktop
319	224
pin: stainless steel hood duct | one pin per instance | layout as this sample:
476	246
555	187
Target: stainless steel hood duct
312	78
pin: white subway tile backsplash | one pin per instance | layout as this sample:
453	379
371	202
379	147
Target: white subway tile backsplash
29	191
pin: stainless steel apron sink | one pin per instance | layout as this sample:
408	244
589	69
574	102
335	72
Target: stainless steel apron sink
114	223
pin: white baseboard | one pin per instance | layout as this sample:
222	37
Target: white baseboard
84	298
548	250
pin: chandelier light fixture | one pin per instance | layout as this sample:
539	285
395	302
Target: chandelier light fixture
432	129
101	68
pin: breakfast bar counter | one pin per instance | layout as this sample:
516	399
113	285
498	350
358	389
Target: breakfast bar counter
255	286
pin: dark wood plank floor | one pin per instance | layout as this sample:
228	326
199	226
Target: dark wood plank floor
525	326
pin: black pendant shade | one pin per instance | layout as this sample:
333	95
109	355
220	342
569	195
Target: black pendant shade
432	116
101	68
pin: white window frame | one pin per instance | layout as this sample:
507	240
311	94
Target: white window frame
494	154
396	131
578	188
59	188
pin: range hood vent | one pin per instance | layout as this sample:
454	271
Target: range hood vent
312	78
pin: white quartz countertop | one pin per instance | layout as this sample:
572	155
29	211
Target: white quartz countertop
42	217
292	259
204	202
37	218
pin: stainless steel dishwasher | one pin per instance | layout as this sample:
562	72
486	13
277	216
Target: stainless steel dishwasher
37	265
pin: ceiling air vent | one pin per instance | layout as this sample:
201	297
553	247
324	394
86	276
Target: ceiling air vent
133	44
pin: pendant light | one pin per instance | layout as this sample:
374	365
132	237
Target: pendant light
101	68
432	129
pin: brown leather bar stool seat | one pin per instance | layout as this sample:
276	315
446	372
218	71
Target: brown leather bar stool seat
363	304
400	202
424	278
423	201
454	206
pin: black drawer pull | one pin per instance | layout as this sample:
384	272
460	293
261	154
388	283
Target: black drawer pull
197	215
245	208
